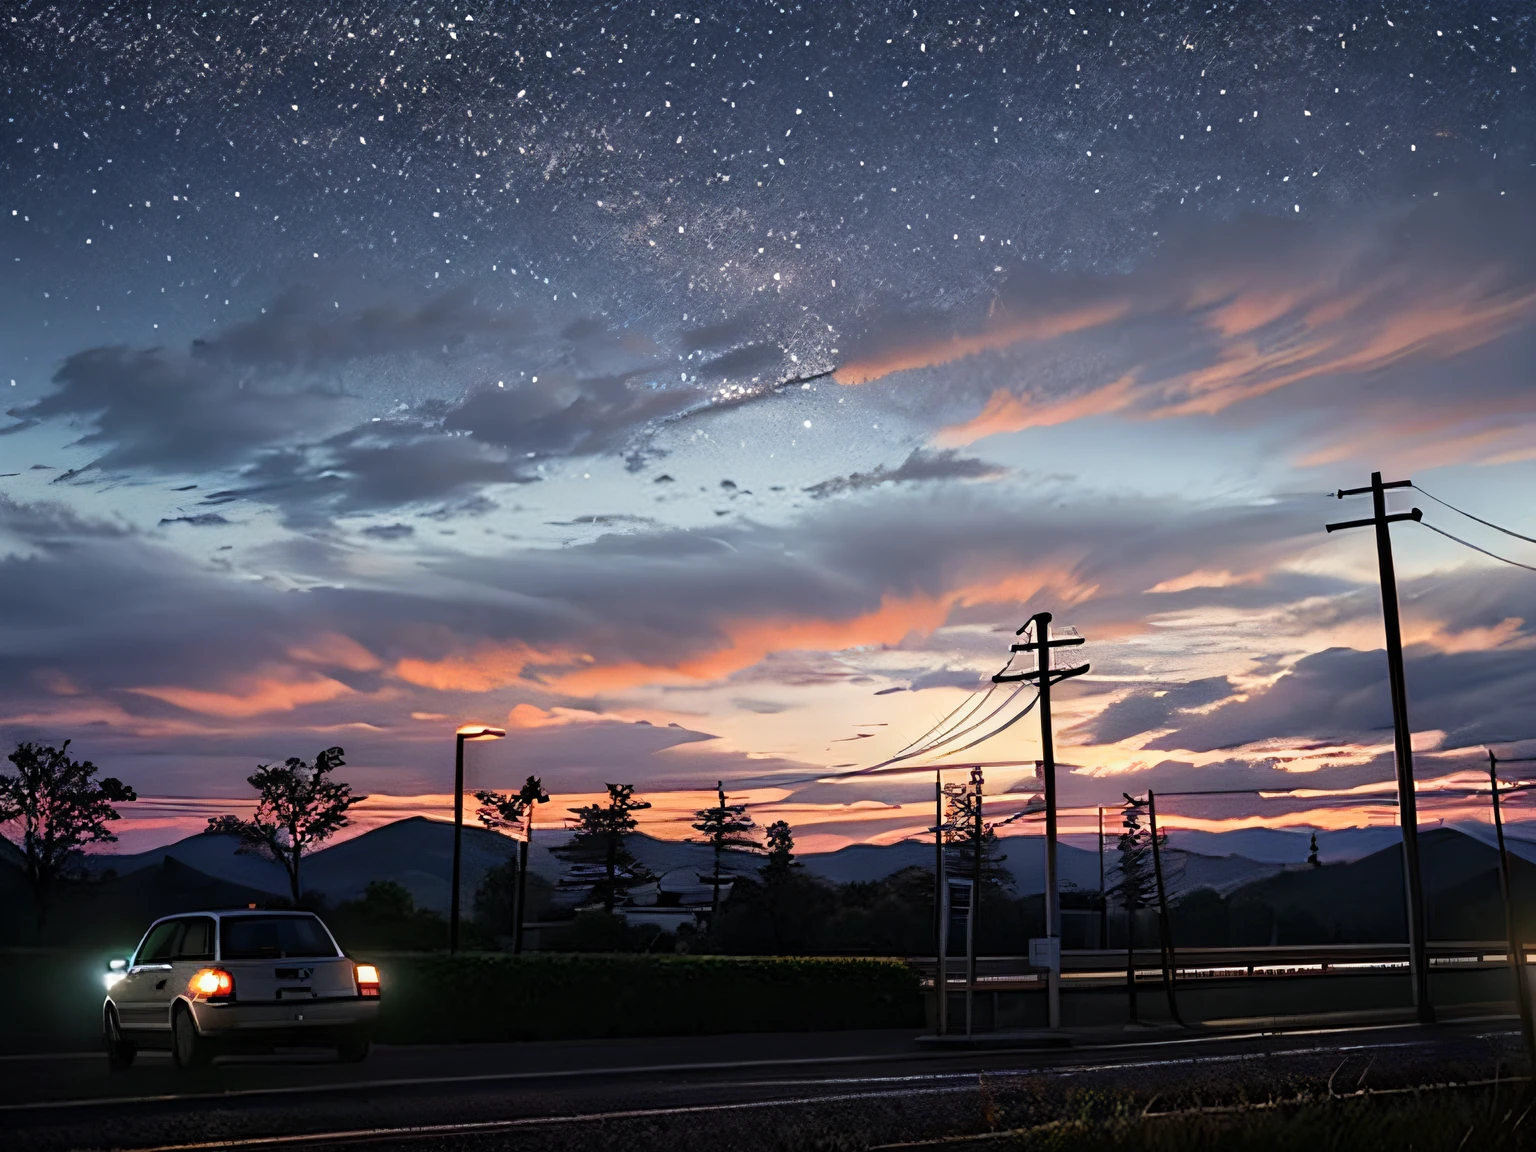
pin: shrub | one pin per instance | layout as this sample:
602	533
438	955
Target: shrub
542	996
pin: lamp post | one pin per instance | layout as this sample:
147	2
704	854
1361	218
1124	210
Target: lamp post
469	732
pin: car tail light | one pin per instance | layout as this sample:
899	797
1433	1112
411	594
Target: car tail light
367	980
212	984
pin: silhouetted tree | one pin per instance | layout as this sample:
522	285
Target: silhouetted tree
298	807
1137	884
600	832
1312	853
726	827
500	810
57	807
962	808
781	852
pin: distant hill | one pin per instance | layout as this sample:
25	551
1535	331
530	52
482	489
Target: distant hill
1286	845
115	909
1363	900
1244	900
417	853
212	855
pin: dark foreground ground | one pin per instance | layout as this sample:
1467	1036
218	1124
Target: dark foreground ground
1459	1087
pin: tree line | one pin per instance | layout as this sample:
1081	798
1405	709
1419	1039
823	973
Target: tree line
762	899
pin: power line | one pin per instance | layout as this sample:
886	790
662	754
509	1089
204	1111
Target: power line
976	700
1475	548
944	730
1023	712
936	745
1479	519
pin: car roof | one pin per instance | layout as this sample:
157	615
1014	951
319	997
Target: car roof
231	913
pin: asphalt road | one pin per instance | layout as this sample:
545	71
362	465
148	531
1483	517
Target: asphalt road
785	1091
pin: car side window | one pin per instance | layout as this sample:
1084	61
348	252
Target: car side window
160	945
197	941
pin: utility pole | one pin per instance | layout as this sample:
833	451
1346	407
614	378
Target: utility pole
940	912
1407	804
1103	895
977	832
1511	929
1045	676
1164	925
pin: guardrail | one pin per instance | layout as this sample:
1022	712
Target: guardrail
1108	966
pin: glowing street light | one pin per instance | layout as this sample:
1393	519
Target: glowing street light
468	732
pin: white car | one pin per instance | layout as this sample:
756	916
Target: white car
205	983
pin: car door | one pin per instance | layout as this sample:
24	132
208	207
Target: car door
194	951
143	996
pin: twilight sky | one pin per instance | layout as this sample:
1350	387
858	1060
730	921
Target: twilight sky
709	393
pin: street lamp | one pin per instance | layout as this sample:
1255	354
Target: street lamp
468	732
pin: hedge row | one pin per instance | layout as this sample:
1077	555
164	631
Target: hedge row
435	998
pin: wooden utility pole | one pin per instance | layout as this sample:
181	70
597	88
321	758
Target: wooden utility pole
978	830
1164	925
940	912
1044	675
1511	930
1407	804
1103	895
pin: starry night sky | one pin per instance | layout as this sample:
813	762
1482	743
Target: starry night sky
709	393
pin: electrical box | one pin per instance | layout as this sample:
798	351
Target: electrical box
1045	952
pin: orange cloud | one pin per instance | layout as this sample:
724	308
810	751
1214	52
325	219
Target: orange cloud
748	642
481	669
1006	412
334	650
1250	311
255	695
1457	320
1274	335
1435	634
946	350
1415	436
531	716
1204	578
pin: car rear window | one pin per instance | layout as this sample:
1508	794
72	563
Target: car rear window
273	938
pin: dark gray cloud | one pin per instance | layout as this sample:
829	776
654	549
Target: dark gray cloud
389	531
946	678
271	395
53	524
1341	694
200	520
921	464
373	467
165	411
304	332
564	415
1149	709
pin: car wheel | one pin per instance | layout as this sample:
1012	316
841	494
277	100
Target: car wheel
120	1049
188	1047
353	1048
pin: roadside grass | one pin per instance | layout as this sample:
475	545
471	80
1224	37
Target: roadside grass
1479	1119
